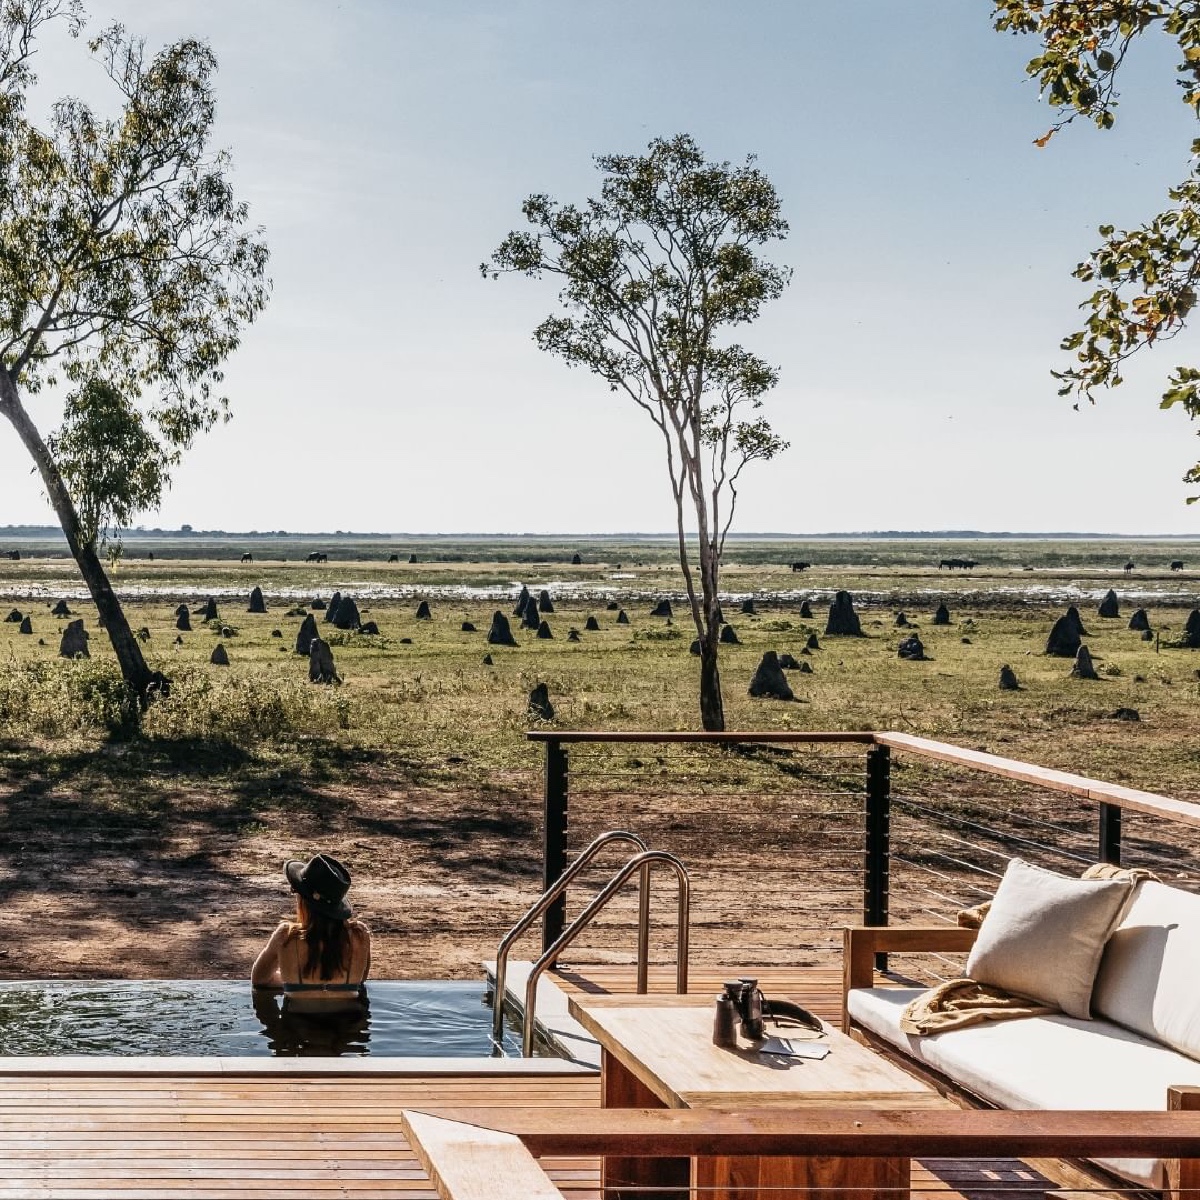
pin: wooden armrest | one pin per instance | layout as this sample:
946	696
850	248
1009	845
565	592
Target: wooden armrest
1183	1174
863	942
470	1162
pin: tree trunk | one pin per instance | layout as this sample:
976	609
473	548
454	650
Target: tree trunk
136	673
712	709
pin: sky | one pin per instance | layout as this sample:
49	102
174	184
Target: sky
385	146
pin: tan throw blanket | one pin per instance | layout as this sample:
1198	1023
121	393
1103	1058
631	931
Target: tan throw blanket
959	1003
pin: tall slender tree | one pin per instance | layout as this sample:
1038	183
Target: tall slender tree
652	273
127	272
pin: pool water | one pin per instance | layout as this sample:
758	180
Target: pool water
437	1019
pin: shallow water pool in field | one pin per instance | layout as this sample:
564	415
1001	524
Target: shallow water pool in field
402	1018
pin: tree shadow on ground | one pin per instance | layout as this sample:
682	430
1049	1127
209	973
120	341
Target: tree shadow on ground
120	843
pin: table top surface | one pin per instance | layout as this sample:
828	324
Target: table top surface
666	1042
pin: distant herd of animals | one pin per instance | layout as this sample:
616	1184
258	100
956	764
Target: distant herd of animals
321	556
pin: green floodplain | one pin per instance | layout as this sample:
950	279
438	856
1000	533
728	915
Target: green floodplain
419	698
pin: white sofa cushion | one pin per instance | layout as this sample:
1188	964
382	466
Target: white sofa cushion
1044	934
1149	978
1055	1062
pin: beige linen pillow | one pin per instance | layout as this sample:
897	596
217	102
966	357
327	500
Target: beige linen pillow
1044	935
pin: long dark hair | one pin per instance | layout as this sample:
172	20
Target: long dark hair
327	940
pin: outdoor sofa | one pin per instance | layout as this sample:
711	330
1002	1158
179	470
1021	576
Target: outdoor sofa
1139	1051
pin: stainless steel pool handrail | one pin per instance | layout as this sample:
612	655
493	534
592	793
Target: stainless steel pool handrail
641	863
543	902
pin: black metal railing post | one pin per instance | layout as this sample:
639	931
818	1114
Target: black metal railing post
1110	833
877	850
554	839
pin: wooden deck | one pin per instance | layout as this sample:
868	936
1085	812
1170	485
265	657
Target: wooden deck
72	1136
258	1138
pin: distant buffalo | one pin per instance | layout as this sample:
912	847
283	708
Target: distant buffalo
393	558
801	566
13	555
1129	567
315	557
247	558
964	564
1177	565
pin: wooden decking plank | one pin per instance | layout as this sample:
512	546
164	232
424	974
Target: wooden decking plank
67	1138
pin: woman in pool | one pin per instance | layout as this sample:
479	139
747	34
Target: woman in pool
322	958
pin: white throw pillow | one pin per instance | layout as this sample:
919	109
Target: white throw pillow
1044	935
1149	976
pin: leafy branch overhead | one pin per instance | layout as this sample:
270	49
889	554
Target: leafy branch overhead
652	273
1145	279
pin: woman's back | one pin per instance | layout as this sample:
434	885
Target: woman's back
298	972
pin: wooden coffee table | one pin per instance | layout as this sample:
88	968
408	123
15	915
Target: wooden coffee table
658	1052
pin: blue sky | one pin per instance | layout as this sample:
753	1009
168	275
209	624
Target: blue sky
386	146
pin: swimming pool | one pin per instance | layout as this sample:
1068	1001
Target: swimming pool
404	1018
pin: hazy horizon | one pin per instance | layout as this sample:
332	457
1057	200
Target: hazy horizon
18	531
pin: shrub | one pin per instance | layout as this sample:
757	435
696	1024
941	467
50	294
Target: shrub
60	698
55	699
657	635
243	708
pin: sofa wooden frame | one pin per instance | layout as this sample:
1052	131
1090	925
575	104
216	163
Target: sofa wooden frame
862	943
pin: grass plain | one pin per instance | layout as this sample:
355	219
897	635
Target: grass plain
160	855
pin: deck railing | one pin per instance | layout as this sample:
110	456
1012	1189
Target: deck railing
792	835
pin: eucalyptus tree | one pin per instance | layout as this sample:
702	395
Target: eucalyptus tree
652	273
128	270
1144	279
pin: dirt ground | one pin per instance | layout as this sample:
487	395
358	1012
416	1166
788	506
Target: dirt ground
189	883
87	894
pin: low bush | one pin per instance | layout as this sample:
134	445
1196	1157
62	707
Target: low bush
59	698
242	708
62	698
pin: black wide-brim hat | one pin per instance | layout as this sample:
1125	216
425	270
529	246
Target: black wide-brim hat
323	883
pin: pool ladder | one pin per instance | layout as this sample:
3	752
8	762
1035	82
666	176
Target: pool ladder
640	864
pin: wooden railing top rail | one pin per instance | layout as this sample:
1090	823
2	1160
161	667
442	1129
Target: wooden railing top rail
683	735
1097	791
1182	811
948	1133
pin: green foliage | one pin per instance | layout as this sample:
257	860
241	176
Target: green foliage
125	252
244	708
61	698
112	464
657	635
1146	278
